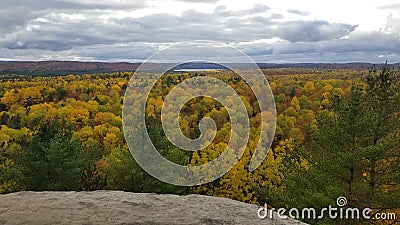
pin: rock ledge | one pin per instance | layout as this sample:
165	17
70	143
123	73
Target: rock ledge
116	207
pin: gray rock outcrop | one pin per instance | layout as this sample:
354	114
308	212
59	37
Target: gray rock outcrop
116	207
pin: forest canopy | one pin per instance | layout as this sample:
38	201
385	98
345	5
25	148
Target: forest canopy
337	134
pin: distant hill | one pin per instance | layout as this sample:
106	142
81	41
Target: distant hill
333	66
75	67
63	67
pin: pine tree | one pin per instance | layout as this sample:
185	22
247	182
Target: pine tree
355	150
51	161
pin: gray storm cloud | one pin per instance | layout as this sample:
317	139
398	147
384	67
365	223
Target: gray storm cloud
313	31
86	30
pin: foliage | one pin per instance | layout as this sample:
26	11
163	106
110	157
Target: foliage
337	134
355	150
51	160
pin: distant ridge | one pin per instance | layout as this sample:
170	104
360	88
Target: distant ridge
352	65
76	67
62	67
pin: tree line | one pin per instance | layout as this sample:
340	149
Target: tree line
337	134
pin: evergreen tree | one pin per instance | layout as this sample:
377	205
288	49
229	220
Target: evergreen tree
355	150
51	160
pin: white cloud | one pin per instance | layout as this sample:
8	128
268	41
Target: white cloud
113	30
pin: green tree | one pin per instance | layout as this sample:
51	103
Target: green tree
52	160
355	150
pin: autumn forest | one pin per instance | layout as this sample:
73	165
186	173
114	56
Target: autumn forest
337	134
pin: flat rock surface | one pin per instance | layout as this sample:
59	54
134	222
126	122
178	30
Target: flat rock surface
116	207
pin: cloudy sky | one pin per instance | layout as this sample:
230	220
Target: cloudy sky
268	31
